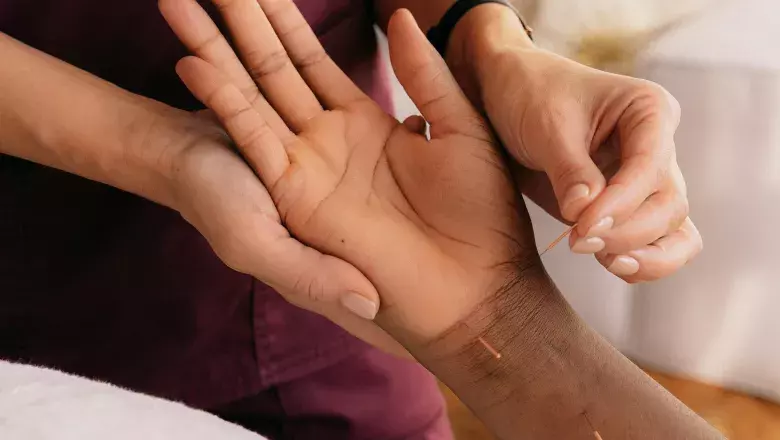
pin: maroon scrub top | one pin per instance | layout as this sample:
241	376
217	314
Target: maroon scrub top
101	283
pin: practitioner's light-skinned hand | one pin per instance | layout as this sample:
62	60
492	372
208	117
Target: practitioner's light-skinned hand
599	147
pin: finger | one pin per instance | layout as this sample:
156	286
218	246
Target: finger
429	83
268	63
328	286
200	35
307	276
416	124
331	85
646	131
252	135
658	260
575	178
662	214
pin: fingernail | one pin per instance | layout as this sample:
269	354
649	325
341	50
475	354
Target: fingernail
600	227
360	305
576	192
588	245
624	265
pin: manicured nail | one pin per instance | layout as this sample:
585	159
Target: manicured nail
624	265
360	305
600	227
576	192
588	245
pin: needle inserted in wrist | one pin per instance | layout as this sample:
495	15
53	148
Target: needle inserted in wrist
490	348
595	433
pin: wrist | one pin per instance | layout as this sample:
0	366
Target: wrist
485	33
524	322
152	145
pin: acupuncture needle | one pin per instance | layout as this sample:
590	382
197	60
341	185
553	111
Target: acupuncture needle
596	434
558	240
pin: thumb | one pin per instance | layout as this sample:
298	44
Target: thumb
575	178
427	80
314	281
330	287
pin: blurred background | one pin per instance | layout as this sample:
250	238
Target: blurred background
710	334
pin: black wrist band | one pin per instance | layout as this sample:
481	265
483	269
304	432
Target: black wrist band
439	35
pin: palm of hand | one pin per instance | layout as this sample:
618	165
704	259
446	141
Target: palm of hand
366	189
430	223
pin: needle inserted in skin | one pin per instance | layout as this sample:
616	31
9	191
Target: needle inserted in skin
558	240
490	348
595	433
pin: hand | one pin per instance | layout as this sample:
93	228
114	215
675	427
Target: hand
181	160
219	194
573	128
435	225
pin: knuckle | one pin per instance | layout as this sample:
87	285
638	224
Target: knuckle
204	45
223	4
662	100
310	59
306	290
229	249
564	171
237	112
620	243
653	92
261	64
684	208
255	135
275	8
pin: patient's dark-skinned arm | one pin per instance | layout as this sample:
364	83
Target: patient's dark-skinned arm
553	371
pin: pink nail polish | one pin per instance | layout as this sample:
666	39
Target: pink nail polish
575	193
588	245
601	227
360	305
624	265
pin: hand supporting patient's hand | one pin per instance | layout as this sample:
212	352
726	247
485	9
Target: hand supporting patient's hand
434	224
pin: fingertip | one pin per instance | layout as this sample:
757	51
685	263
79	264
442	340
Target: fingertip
401	17
416	124
195	74
575	177
575	200
166	6
185	65
405	38
360	305
600	214
623	266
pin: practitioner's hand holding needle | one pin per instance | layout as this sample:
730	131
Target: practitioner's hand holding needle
600	148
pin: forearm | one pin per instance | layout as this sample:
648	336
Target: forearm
555	376
57	115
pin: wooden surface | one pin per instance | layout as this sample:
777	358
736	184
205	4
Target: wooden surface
738	416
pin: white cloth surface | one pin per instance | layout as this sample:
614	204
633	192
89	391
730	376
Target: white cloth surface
42	404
